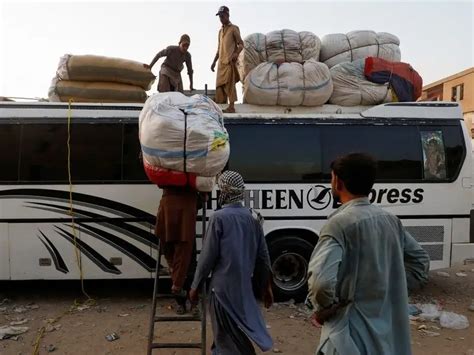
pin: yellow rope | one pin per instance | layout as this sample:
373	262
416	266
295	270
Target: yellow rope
89	300
71	210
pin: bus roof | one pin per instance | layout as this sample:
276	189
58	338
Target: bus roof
414	110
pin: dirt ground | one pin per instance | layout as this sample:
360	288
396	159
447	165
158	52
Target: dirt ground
123	307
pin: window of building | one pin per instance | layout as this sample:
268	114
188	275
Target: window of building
457	92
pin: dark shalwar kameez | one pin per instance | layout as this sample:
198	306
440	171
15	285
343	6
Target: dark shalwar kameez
234	249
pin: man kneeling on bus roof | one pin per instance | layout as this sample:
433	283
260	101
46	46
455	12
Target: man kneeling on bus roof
360	268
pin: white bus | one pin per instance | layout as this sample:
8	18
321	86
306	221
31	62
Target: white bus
423	151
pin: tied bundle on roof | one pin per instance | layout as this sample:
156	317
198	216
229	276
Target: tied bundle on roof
339	48
351	87
289	84
282	68
277	46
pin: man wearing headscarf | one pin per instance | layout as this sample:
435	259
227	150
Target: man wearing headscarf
229	45
170	73
234	249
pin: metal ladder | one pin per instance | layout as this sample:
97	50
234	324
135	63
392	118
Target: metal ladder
154	318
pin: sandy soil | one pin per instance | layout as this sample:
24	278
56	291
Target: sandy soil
123	308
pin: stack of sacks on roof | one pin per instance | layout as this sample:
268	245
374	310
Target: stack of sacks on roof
90	78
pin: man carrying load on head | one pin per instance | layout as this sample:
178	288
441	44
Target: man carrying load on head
229	46
170	73
176	229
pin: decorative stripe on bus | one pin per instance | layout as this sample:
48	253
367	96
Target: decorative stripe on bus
87	250
78	199
55	255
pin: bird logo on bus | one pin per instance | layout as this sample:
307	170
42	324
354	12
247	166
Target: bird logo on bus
319	197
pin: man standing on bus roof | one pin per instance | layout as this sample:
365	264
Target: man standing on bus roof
229	45
361	267
170	73
234	249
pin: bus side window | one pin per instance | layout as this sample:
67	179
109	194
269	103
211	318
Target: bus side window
9	151
396	148
275	152
96	152
434	157
132	167
443	151
43	154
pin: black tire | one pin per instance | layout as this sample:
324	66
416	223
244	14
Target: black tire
290	257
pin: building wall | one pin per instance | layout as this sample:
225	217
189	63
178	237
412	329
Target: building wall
468	100
443	92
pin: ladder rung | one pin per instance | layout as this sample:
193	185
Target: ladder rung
177	319
165	295
176	345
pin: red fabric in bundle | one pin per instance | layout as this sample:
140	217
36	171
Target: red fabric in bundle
405	80
165	177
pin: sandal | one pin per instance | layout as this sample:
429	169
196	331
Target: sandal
180	309
195	311
180	297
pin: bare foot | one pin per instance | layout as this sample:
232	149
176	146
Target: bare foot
229	110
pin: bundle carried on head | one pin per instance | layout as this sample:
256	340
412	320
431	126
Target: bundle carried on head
185	135
91	78
339	48
277	46
289	84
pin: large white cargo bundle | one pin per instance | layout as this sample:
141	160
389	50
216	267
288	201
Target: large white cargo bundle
339	48
351	88
289	84
277	46
184	134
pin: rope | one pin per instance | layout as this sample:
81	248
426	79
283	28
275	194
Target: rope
184	144
304	84
90	301
350	48
278	83
42	330
266	50
283	44
378	46
71	209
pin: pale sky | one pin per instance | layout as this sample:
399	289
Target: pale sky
436	36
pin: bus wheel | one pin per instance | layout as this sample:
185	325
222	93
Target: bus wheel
290	258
